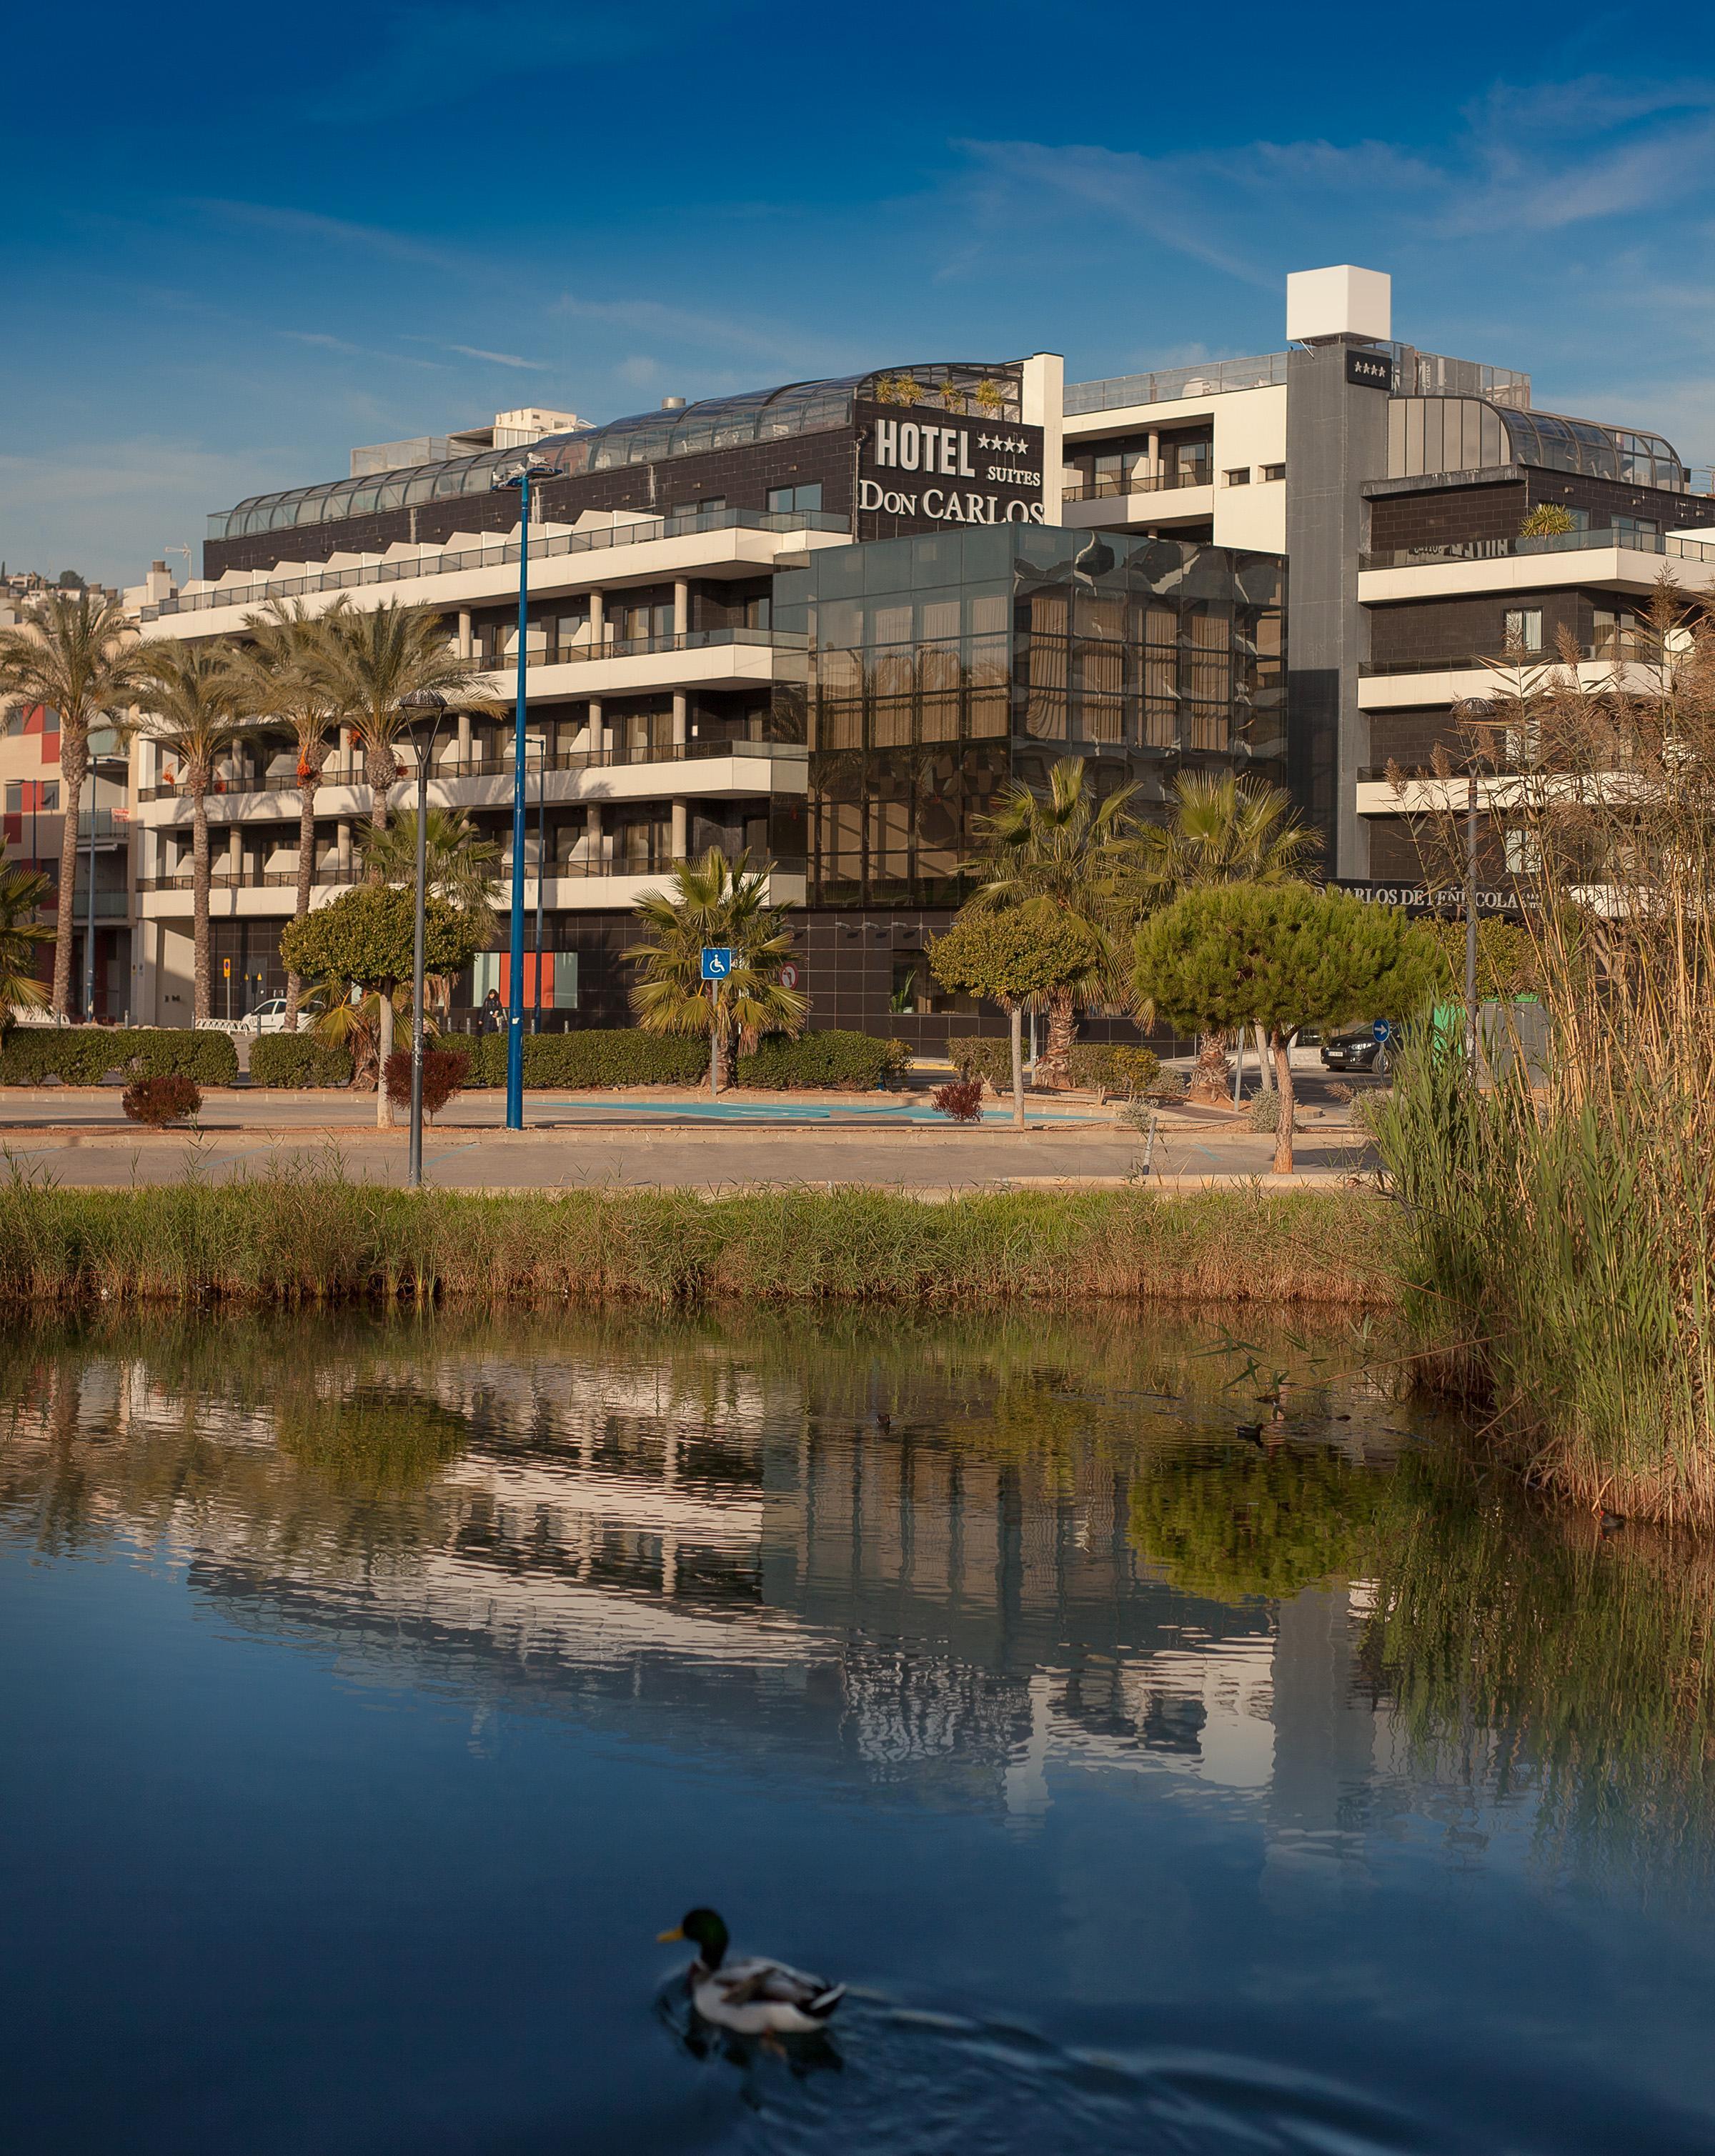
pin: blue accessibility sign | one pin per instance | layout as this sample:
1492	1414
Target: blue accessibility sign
718	962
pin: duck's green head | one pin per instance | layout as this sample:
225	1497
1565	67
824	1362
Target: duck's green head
707	1933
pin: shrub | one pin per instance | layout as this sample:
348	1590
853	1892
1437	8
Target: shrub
167	1099
299	1059
443	1070
857	1062
595	1056
961	1100
84	1054
1265	1112
1110	1067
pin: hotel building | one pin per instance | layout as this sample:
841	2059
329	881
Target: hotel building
830	621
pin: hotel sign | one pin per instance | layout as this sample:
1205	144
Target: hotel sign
1370	370
923	465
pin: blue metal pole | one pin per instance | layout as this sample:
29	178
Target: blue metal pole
515	1008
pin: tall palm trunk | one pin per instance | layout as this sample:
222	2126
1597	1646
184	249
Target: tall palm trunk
1212	1081
199	895
72	743
383	1107
1056	1064
306	874
382	769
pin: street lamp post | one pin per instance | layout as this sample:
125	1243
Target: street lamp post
519	476
1473	711
423	700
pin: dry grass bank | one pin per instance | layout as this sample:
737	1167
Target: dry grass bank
295	1238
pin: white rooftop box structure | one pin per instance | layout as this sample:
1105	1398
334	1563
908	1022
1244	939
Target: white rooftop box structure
1343	301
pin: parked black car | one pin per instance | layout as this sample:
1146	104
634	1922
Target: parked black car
1355	1048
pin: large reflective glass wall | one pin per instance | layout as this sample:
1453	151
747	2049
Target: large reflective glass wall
943	667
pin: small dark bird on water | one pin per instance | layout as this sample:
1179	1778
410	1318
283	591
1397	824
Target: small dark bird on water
1250	1432
754	1997
1612	1522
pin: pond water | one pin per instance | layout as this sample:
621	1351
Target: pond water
375	1691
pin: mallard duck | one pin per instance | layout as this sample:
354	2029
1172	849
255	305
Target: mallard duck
753	1997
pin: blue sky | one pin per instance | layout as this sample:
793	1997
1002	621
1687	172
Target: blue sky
240	241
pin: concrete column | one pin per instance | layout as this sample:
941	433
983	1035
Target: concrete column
681	722
681	606
597	635
234	851
1155	452
343	842
596	738
464	739
593	831
466	645
681	829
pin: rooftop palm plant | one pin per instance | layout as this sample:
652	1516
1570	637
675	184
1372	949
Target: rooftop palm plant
23	893
1069	850
75	656
192	705
718	903
285	678
375	661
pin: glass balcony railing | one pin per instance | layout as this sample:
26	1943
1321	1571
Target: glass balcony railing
1555	542
1166	385
1613	649
499	764
1107	483
635	647
495	554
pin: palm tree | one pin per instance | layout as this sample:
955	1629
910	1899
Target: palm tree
1070	850
455	856
23	893
285	676
75	656
1223	829
719	902
194	704
375	661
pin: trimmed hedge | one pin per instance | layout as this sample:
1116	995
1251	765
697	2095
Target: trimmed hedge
299	1059
853	1062
593	1057
1110	1067
84	1054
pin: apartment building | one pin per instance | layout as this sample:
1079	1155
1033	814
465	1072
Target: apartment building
1395	480
827	622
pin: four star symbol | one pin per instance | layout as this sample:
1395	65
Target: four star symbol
1006	442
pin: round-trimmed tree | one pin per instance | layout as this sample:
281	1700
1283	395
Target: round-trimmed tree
365	937
1281	957
1023	955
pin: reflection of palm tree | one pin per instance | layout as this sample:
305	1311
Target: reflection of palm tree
1067	850
75	656
192	703
715	902
23	893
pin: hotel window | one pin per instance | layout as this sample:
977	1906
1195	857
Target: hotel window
1239	476
1635	527
1274	471
47	796
783	501
14	799
1524	629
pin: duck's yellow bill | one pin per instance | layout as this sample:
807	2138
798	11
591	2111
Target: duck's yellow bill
662	1938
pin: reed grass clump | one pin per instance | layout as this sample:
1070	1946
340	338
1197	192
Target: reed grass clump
295	1237
1558	1221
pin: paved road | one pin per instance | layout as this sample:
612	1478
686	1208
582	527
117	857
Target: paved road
84	1140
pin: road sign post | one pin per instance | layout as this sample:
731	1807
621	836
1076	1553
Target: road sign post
716	967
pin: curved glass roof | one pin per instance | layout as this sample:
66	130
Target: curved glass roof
717	422
1428	434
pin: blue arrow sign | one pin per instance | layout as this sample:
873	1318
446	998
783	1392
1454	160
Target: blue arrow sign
1379	1031
718	962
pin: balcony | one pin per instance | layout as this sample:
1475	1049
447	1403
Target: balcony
499	765
1108	486
496	555
1616	650
1557	542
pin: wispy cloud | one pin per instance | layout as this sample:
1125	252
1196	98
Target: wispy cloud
314	229
323	340
501	358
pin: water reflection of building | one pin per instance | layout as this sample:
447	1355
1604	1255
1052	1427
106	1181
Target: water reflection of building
688	1543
